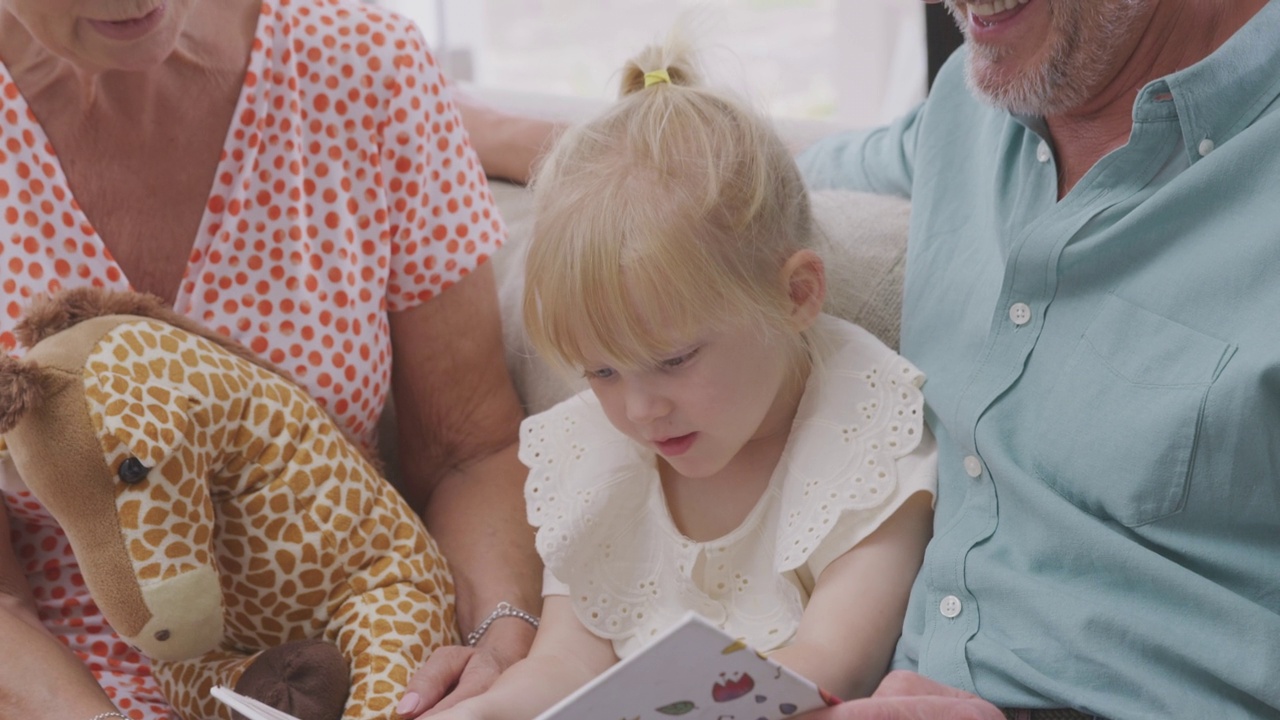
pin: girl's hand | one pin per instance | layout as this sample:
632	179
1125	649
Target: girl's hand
905	695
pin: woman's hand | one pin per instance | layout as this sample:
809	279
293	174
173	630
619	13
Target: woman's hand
905	695
39	678
456	673
565	656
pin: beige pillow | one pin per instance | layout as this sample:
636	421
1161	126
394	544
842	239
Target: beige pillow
862	239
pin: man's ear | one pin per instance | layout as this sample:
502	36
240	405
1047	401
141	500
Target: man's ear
806	283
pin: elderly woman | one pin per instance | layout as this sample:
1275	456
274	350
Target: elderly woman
294	174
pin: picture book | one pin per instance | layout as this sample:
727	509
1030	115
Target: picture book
694	671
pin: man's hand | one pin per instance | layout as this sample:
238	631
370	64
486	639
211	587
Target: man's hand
905	695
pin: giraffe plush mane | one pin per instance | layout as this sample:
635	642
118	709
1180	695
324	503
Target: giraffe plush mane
49	315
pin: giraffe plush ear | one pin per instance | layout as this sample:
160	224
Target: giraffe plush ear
20	391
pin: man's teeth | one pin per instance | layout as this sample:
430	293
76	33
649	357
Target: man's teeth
987	9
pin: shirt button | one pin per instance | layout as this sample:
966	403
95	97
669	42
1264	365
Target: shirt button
1020	313
950	606
973	466
1206	147
1042	152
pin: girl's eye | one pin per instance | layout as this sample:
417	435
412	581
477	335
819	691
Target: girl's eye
676	362
598	373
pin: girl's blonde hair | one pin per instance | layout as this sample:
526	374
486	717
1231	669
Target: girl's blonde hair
674	210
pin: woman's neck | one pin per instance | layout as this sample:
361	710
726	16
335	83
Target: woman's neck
214	45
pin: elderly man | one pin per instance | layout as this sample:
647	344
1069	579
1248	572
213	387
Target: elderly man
1090	290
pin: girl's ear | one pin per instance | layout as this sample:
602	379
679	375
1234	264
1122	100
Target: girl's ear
806	283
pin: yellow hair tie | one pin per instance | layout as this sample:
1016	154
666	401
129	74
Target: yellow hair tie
653	77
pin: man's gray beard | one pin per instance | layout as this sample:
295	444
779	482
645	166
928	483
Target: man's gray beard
1046	90
1077	64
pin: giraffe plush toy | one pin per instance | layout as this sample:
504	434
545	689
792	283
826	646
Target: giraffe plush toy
223	523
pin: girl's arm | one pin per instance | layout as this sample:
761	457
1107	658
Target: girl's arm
565	656
854	617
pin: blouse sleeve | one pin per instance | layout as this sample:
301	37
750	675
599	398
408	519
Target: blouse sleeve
917	472
859	448
441	217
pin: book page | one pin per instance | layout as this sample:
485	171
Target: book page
693	672
247	706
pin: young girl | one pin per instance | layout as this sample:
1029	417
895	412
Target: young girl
738	454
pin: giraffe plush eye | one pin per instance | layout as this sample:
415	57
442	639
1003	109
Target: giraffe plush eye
132	471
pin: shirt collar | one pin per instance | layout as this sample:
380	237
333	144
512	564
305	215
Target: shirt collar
1217	97
1224	93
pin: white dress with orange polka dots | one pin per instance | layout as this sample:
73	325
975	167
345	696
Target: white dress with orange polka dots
346	190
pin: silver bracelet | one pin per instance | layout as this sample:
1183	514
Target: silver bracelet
504	609
110	716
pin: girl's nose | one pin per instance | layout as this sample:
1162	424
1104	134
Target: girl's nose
644	405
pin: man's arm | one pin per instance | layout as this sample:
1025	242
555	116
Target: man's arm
905	695
879	160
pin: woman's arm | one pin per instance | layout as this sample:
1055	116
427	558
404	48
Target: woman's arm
458	421
854	617
565	656
39	678
508	144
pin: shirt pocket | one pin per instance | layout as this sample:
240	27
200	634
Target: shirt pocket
1117	433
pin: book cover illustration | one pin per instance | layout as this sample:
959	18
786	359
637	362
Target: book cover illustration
694	671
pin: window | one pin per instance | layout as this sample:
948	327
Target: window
858	62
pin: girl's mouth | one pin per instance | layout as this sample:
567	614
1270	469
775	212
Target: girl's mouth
671	447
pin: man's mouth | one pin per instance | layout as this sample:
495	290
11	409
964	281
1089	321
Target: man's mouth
987	14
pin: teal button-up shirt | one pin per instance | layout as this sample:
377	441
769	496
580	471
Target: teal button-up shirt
1104	384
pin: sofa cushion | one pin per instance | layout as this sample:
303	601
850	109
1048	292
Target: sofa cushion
861	238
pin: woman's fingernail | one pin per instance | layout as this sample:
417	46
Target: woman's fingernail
408	703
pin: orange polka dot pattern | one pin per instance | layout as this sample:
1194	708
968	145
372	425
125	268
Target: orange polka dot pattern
347	188
309	540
